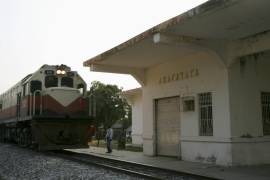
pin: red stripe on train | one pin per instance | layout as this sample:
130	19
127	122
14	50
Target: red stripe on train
49	105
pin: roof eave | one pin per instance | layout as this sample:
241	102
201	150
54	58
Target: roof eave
205	7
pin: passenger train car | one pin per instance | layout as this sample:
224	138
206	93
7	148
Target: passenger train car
47	109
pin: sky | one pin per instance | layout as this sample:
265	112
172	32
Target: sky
37	32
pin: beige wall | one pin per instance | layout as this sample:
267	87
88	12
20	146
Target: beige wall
248	78
236	107
137	120
211	77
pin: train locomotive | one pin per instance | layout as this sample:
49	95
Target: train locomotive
47	109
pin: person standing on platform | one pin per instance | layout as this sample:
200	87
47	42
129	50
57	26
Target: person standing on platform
108	138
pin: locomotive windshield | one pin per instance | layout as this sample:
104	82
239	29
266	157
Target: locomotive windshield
51	81
35	85
81	88
67	82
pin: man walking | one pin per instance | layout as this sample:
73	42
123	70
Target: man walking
108	138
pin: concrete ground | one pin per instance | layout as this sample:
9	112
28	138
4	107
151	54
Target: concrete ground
260	172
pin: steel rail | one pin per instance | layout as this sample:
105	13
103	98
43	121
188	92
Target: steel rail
103	165
128	167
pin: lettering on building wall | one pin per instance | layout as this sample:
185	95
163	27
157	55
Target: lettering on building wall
178	76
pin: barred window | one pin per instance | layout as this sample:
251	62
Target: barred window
265	101
205	114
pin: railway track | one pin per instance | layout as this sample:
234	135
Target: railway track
126	167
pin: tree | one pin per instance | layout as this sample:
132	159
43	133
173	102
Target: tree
108	106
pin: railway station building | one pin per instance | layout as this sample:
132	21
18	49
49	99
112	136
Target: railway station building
134	98
205	78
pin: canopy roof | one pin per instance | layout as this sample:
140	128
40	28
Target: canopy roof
211	24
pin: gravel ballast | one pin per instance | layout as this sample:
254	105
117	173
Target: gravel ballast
23	163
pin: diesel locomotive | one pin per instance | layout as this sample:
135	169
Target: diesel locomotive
47	109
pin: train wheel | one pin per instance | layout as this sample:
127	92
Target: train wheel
4	135
17	135
28	137
19	138
24	137
1	134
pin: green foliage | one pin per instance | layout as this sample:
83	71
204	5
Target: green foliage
108	106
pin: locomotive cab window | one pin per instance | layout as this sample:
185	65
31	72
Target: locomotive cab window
35	85
67	82
81	88
51	81
24	90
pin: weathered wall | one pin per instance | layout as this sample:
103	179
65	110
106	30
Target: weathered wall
251	151
201	73
137	120
248	77
207	152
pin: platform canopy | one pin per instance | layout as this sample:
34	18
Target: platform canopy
223	27
129	95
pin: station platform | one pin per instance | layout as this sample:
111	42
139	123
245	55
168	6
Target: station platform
260	172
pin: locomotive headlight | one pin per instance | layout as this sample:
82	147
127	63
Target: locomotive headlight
59	71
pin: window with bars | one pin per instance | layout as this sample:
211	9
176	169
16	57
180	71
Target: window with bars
205	114
265	101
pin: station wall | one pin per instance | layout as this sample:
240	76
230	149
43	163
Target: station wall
137	120
197	73
248	77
